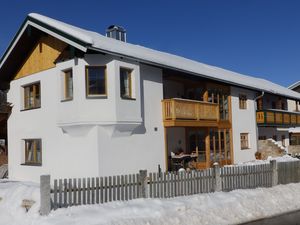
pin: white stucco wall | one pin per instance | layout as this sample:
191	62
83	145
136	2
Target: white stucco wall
144	148
89	137
62	155
292	105
243	121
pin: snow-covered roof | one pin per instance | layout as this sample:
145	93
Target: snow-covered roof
294	85
102	43
294	130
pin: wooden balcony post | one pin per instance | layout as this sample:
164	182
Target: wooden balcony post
197	107
218	113
173	109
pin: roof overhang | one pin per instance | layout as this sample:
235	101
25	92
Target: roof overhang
27	25
185	71
294	85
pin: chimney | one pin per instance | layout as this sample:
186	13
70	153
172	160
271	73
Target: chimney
116	32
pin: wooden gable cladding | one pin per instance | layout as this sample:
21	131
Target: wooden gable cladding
42	57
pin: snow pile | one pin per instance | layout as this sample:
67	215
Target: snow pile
12	193
215	208
285	158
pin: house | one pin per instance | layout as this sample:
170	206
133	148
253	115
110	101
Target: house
294	132
84	104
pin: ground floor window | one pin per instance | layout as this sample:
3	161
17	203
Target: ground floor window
244	141
33	151
295	139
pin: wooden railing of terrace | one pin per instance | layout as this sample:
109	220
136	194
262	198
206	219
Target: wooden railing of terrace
176	111
280	118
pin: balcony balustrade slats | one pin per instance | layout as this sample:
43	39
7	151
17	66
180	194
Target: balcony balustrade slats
277	118
180	109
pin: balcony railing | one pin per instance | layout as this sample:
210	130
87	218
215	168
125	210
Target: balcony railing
273	117
184	109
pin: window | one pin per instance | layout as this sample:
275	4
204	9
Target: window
33	152
68	85
96	80
126	83
219	145
295	139
32	96
243	101
244	141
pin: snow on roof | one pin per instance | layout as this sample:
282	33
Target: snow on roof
294	85
163	59
294	130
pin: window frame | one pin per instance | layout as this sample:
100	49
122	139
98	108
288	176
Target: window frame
246	140
35	106
35	162
88	95
65	85
130	96
243	101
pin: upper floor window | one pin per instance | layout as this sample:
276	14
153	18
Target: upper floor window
126	79
243	101
68	85
273	105
96	81
33	151
260	103
32	96
244	141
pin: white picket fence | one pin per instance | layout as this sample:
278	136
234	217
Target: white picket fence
82	191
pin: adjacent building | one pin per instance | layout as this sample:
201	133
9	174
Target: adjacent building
294	132
84	104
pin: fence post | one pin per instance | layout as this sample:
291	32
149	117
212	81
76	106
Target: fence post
45	190
274	172
217	178
143	183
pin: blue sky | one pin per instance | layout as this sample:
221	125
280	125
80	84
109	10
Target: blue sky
255	37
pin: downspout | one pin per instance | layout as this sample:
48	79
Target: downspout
260	96
255	99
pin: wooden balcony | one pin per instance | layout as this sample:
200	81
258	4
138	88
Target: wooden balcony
277	118
184	112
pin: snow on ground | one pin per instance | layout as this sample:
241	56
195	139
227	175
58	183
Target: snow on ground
214	208
285	158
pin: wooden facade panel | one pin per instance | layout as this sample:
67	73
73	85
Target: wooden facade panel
185	110
270	117
293	119
278	118
260	117
42	57
286	118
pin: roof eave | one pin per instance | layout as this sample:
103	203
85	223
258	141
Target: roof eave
29	21
189	72
294	85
